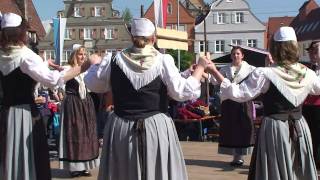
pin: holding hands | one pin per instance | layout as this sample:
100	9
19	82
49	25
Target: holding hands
208	67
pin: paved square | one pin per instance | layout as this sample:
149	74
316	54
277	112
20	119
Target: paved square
203	163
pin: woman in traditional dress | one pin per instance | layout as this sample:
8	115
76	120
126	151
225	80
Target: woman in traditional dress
236	133
79	147
23	145
140	141
284	148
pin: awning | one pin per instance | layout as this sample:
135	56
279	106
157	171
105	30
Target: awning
254	56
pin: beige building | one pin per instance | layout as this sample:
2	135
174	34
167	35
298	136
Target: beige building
92	23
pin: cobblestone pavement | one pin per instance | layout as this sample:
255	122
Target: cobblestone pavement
203	163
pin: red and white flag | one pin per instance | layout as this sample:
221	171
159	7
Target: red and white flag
160	13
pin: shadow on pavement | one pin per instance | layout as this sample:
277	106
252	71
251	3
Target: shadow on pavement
60	173
214	164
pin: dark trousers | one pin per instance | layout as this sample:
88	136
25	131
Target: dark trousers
312	116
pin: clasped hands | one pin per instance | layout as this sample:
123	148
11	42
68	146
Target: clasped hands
207	64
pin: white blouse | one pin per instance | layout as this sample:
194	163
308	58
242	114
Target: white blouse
259	81
179	88
30	64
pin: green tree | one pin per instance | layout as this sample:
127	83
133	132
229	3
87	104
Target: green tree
186	58
126	15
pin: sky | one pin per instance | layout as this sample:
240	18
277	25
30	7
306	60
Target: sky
261	8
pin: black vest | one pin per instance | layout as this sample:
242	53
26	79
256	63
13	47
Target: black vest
137	104
275	103
18	88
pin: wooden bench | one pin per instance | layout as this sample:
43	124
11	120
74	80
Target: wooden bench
200	123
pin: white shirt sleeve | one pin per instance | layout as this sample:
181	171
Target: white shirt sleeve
34	66
249	89
98	77
315	90
179	88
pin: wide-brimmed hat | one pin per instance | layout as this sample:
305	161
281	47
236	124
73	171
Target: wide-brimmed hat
312	45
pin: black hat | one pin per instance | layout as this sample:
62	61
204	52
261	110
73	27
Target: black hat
312	45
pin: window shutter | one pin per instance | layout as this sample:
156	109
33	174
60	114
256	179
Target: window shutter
245	17
73	34
210	46
102	34
92	11
233	18
225	18
103	11
81	35
115	34
82	12
94	34
196	47
70	33
214	16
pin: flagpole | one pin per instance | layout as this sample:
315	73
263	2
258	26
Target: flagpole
178	24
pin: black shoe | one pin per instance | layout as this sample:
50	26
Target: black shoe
75	173
85	173
237	163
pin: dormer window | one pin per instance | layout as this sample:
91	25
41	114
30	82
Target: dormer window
77	12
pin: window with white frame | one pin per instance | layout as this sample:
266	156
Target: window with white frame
97	11
219	46
50	54
221	18
252	42
236	42
239	17
76	11
182	27
169	8
229	1
201	46
67	34
66	55
87	33
108	33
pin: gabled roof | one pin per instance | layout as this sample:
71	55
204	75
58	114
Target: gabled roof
33	18
9	6
274	23
308	27
197	3
183	10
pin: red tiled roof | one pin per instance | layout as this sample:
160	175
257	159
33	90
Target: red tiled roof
9	6
33	18
274	23
307	26
35	21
